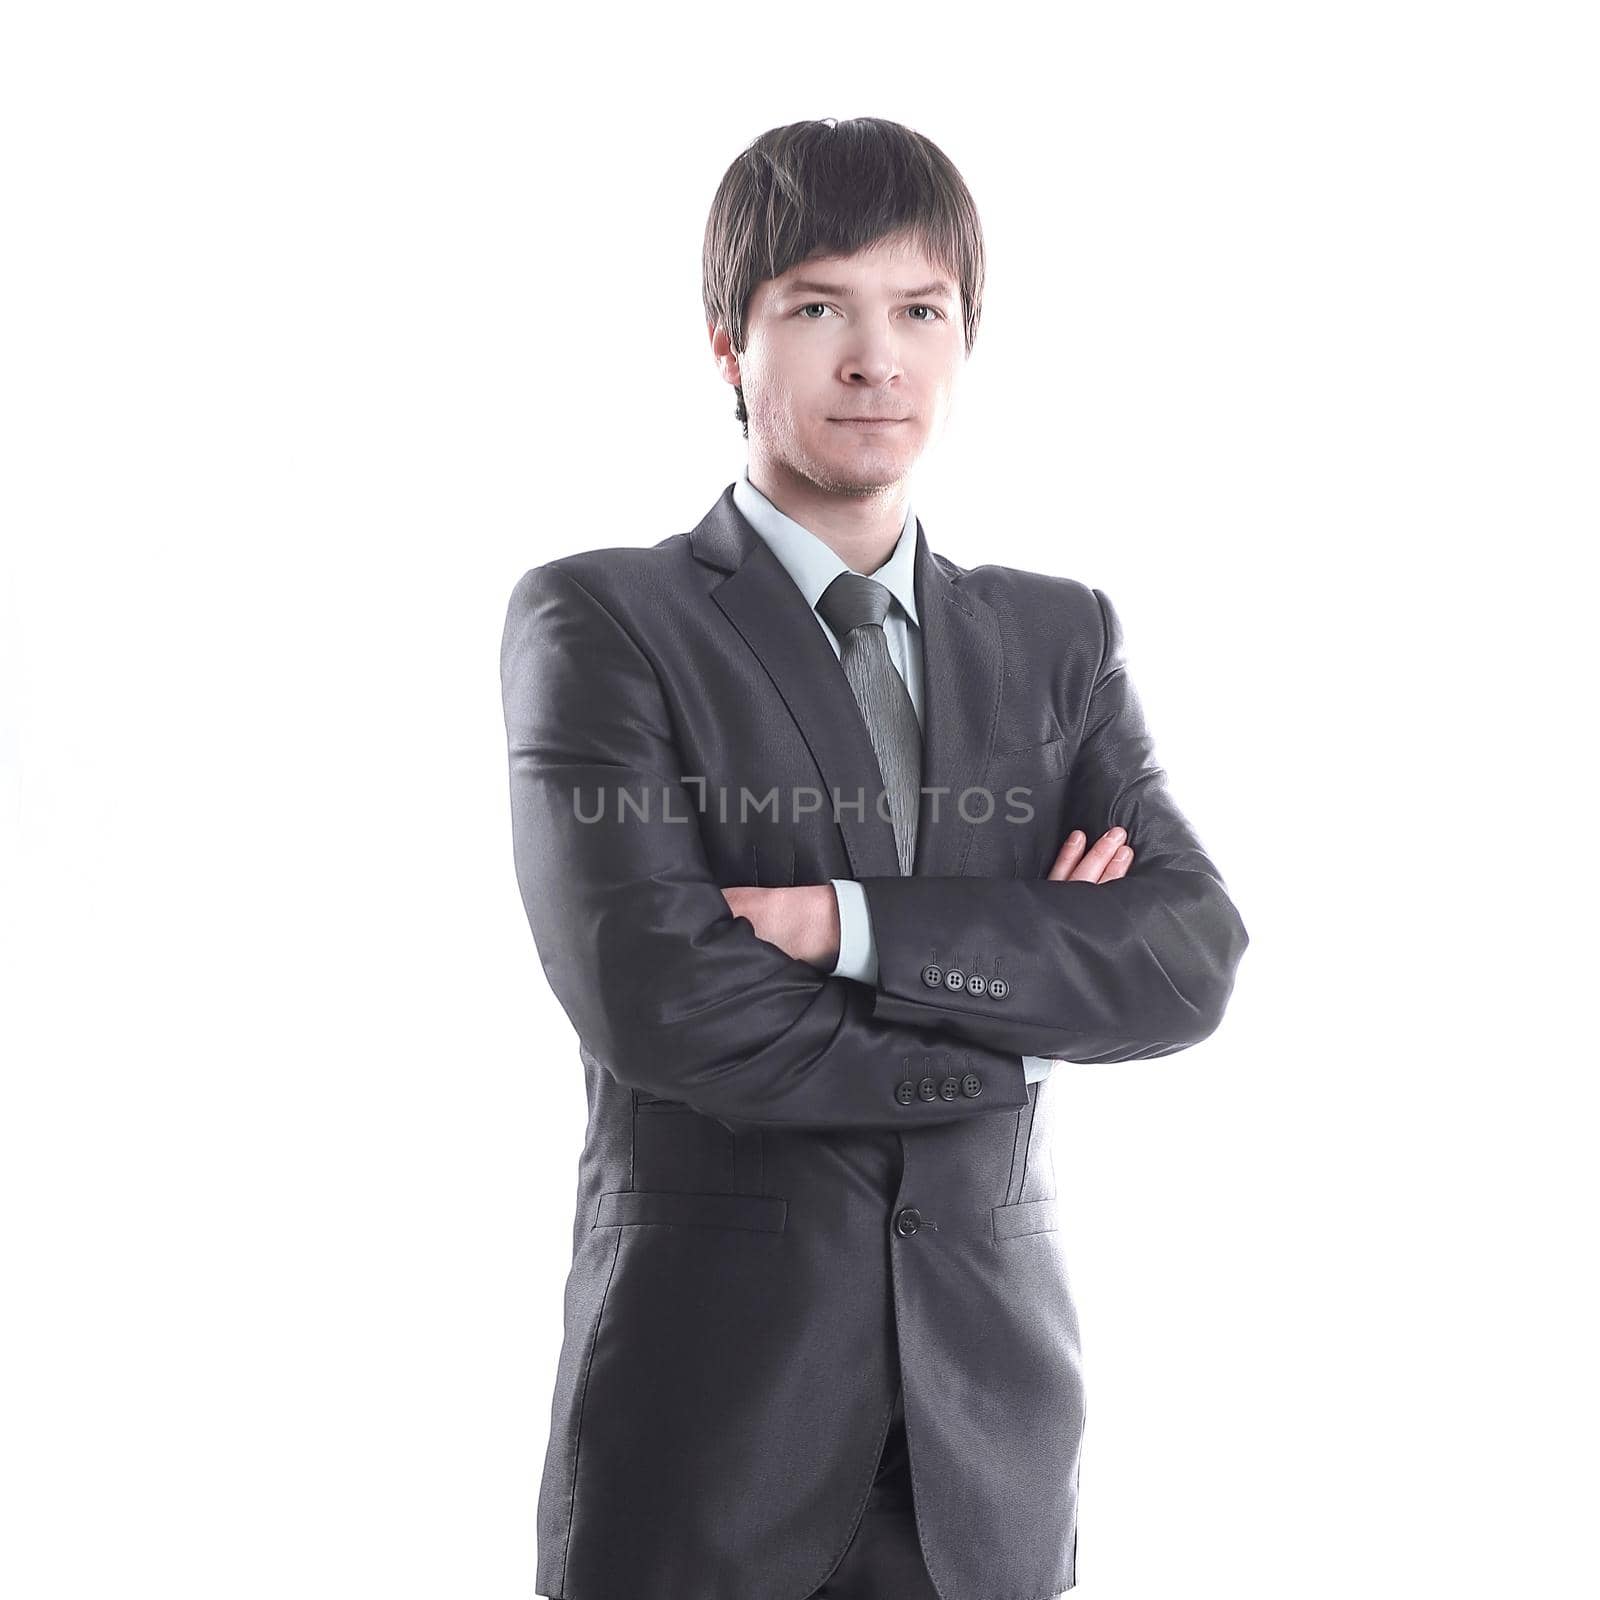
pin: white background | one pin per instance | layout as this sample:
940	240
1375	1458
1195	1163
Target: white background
323	323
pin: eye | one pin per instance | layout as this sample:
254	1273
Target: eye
822	305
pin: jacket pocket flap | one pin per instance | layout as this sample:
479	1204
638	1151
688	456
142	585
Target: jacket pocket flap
628	1208
1040	763
1029	1216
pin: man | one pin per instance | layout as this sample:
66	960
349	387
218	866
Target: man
831	850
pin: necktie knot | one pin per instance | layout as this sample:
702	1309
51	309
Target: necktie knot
853	601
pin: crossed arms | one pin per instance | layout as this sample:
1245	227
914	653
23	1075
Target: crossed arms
806	920
678	996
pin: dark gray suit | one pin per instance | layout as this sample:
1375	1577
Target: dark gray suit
796	1191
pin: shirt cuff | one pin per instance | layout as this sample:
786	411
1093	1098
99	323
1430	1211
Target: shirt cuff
858	951
1035	1067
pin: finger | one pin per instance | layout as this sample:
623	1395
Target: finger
1099	855
1067	856
1118	865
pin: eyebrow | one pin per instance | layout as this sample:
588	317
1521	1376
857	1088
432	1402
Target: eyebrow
938	289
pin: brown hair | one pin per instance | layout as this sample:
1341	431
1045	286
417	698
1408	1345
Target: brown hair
833	188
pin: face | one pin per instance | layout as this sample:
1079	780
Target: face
839	338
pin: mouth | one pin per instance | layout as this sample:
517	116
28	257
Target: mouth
868	424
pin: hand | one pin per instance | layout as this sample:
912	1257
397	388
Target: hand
802	921
1109	859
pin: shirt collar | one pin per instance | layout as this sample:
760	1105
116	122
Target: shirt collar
811	563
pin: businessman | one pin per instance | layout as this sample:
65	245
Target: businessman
833	850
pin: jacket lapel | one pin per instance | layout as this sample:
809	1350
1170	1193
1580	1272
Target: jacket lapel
961	702
960	666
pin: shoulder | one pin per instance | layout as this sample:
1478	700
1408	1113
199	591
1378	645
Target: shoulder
615	577
1034	606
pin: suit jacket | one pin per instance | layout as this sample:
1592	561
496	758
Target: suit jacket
797	1191
813	566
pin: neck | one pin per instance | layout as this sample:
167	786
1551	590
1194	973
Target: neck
862	529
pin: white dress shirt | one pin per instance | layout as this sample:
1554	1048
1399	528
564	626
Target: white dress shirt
813	566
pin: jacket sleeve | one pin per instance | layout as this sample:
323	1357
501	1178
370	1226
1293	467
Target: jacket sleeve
1142	966
858	957
669	990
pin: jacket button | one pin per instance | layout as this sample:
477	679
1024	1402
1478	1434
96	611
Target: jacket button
977	983
955	978
972	1085
933	976
928	1089
998	988
905	1091
909	1220
950	1088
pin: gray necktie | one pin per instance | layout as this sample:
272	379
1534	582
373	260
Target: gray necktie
854	606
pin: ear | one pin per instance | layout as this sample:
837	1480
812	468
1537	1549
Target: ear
724	354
